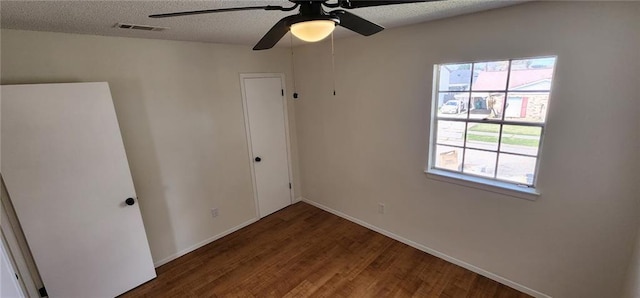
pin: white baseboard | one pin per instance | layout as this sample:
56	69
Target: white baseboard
433	252
203	243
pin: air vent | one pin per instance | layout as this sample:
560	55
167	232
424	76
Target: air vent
140	27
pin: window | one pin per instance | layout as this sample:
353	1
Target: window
489	120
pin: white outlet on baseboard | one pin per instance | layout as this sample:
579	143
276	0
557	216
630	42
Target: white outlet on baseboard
380	208
214	212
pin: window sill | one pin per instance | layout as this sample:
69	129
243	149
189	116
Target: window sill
484	184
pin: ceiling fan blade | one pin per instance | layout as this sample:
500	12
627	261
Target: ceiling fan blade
195	12
356	23
275	34
350	4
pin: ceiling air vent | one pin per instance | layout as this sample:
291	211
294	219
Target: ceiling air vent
140	27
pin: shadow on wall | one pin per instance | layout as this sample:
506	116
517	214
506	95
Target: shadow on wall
139	144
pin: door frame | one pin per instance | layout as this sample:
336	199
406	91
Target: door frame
245	110
5	256
18	249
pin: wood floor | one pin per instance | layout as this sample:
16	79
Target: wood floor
303	251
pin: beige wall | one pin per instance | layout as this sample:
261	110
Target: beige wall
369	143
180	111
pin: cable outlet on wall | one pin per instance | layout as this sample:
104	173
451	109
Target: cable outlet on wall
214	212
380	208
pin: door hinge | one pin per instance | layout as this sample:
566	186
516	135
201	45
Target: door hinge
289	185
43	292
282	92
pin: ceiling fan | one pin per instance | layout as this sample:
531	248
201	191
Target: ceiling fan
312	23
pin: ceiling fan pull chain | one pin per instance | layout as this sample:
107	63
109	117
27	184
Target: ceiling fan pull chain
293	67
333	65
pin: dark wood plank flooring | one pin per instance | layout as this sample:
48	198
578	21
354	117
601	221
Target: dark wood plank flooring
303	251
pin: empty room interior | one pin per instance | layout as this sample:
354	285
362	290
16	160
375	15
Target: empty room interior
325	148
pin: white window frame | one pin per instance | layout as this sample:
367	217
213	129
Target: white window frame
530	192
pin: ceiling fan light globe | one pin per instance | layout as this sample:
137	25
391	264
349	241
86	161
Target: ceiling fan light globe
312	31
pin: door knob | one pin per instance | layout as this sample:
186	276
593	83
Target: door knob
130	201
258	159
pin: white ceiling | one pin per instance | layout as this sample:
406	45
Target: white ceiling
240	27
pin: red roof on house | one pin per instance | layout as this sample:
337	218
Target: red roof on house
495	80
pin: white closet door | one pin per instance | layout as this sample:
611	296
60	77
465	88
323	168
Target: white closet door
67	174
265	111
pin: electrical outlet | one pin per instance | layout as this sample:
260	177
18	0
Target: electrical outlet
214	212
380	208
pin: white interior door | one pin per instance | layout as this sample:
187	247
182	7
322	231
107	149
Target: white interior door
66	172
265	113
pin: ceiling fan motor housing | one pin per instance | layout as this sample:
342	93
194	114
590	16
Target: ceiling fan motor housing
312	11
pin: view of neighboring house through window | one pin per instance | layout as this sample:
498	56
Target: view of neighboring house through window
489	118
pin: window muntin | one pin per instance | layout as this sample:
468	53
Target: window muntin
490	118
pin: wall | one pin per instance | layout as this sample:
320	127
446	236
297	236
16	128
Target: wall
179	107
369	143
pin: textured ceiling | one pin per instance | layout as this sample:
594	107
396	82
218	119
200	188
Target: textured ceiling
240	27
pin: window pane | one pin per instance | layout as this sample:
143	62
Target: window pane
483	136
451	133
453	104
480	163
455	77
532	74
484	105
448	157
515	168
520	139
527	107
490	76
